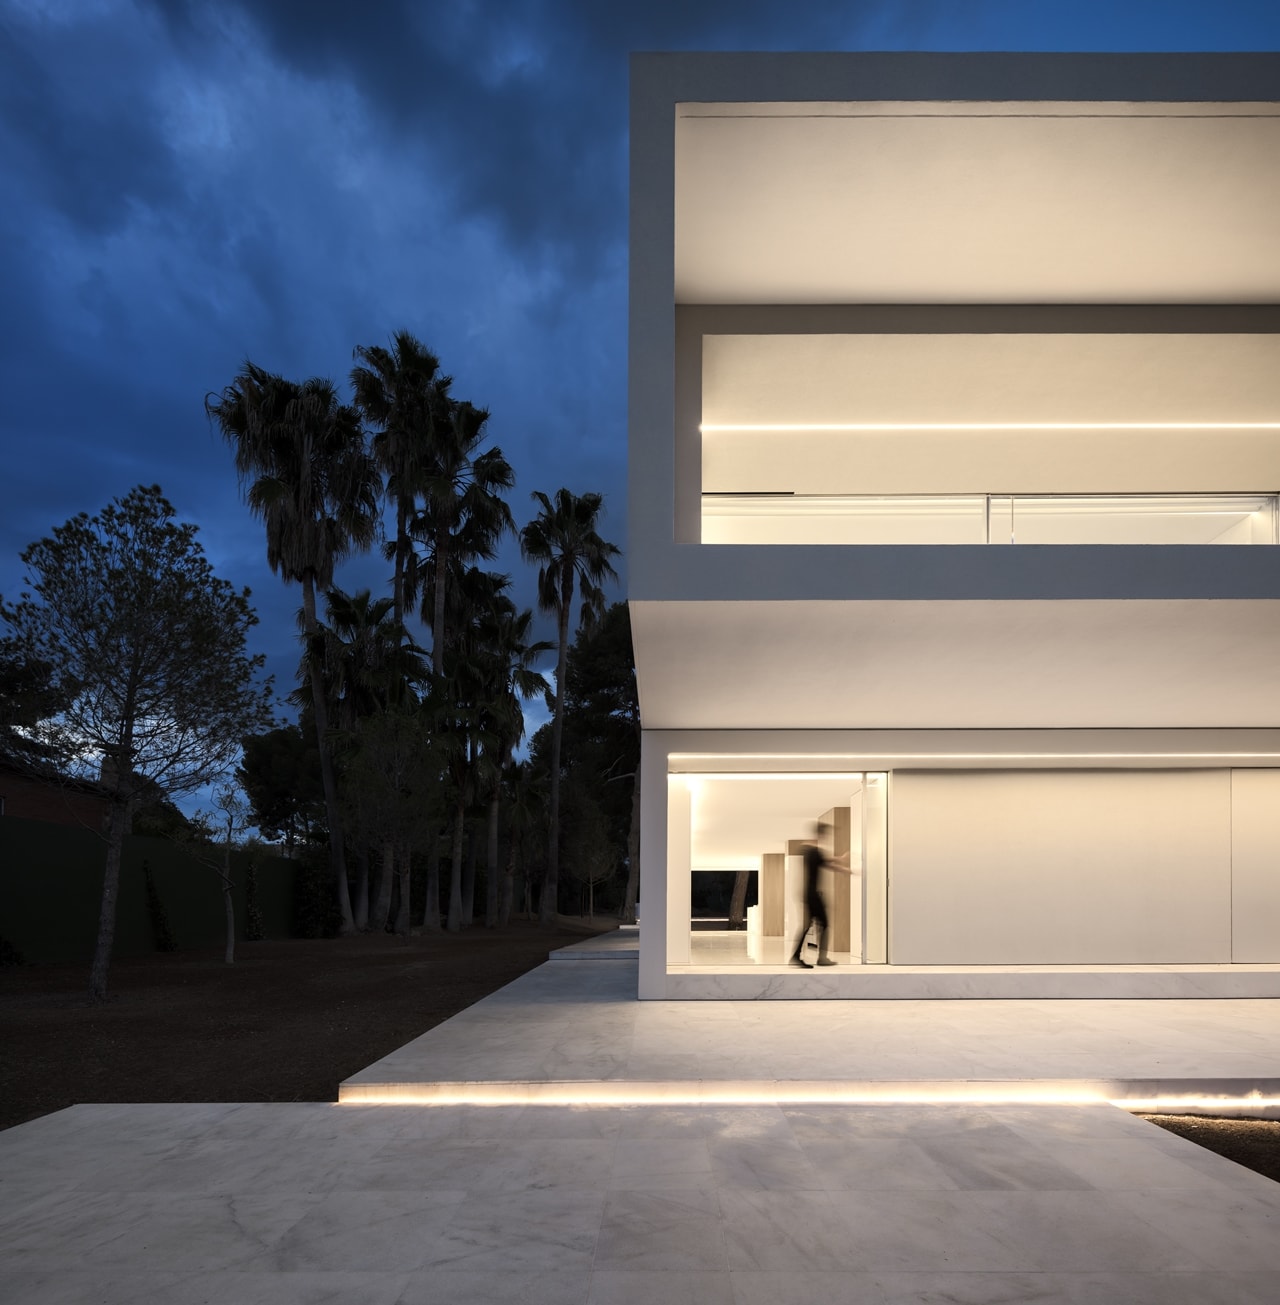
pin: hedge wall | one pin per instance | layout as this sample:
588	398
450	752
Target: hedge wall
51	891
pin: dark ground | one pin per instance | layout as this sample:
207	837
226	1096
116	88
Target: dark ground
290	1020
287	1022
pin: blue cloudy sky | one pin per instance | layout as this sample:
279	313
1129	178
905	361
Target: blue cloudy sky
187	183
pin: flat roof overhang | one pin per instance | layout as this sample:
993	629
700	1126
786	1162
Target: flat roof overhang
829	665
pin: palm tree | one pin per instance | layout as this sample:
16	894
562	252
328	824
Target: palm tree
368	667
508	659
465	723
563	541
301	458
404	398
463	514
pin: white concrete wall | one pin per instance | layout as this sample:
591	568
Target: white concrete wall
1255	866
1060	867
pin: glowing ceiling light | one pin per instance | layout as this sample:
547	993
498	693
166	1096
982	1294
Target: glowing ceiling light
987	425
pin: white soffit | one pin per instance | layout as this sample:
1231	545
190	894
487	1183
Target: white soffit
993	379
977	203
957	665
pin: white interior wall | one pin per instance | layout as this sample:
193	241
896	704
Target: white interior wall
1060	867
1255	866
1019	382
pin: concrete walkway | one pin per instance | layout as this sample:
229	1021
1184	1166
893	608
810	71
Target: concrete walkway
771	1201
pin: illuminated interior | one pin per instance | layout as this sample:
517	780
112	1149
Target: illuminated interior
964	439
747	831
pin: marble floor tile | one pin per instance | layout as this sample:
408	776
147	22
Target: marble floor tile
904	1231
673	1287
1227	1230
797	1230
660	1231
1061	1289
1126	1164
71	1285
773	1163
348	1231
997	1158
553	1229
805	1287
497	1286
510	1164
873	1165
661	1162
1084	1231
362	1287
156	1232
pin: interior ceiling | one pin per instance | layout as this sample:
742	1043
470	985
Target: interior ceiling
977	203
734	821
1009	664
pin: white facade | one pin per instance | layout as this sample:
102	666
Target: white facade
955	464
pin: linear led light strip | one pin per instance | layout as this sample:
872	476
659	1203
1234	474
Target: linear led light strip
991	425
948	756
613	1093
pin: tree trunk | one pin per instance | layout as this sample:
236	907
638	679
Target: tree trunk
360	907
469	880
454	921
228	906
119	821
431	909
491	907
551	881
382	907
337	859
738	902
507	897
404	920
633	855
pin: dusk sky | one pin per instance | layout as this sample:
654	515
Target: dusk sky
185	184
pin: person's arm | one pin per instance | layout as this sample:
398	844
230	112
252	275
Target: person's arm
840	864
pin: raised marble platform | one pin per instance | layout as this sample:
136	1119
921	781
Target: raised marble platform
557	1035
853	982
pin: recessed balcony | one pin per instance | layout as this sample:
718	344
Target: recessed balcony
1073	519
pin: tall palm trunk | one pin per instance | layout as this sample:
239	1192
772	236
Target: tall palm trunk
360	906
469	880
404	918
454	922
337	858
506	899
551	883
431	908
491	862
382	907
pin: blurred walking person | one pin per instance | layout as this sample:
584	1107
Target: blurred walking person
815	908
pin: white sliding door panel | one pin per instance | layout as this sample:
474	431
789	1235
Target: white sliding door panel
1060	867
1255	865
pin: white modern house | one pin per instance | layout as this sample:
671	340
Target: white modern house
954	464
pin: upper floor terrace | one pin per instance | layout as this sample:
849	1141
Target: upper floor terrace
891	310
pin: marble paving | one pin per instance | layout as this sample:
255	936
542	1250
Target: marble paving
574	1023
375	1205
678	1203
